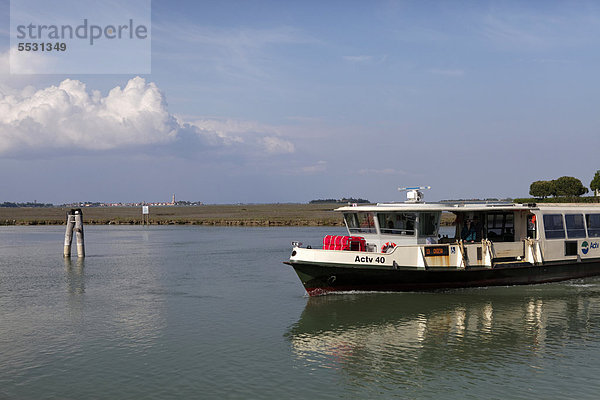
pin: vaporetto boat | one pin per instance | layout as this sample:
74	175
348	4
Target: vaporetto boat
400	247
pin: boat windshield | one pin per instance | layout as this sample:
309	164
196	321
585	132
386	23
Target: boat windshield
397	223
363	222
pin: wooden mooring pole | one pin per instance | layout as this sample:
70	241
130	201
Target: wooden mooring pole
74	223
69	233
79	233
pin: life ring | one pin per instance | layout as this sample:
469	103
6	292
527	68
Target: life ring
387	246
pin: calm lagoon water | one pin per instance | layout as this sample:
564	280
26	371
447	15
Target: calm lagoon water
199	312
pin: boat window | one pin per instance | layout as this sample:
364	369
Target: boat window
428	224
593	224
397	223
575	226
500	227
360	222
553	226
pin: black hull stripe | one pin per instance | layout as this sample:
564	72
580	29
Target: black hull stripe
322	278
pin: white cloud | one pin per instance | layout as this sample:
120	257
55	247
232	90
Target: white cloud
68	116
275	145
249	134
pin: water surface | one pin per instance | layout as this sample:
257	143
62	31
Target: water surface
207	312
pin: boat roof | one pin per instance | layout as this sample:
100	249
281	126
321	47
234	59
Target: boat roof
452	207
465	207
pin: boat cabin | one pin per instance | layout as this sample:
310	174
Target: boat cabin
386	226
438	223
501	228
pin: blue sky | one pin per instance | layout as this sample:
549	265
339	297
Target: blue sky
257	101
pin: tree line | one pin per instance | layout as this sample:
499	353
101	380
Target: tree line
28	204
565	186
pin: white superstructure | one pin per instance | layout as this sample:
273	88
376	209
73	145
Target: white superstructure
474	234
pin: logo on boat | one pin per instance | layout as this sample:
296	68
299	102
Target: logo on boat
585	246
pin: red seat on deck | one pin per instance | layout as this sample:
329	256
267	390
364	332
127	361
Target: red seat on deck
338	242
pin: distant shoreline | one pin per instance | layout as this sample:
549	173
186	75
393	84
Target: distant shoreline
211	215
321	214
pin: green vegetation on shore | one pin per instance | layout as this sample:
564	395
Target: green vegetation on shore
566	199
219	215
567	187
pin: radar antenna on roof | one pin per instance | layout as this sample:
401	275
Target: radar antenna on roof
414	194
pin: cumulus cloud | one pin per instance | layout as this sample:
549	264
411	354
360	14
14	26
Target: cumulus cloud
68	116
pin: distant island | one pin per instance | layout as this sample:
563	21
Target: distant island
339	201
315	213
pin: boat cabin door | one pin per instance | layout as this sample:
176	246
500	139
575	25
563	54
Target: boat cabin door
531	226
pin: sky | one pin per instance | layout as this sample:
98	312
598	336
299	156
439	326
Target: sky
270	101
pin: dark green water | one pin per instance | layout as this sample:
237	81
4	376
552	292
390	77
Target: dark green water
196	312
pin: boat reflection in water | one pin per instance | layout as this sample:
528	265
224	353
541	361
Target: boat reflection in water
474	339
